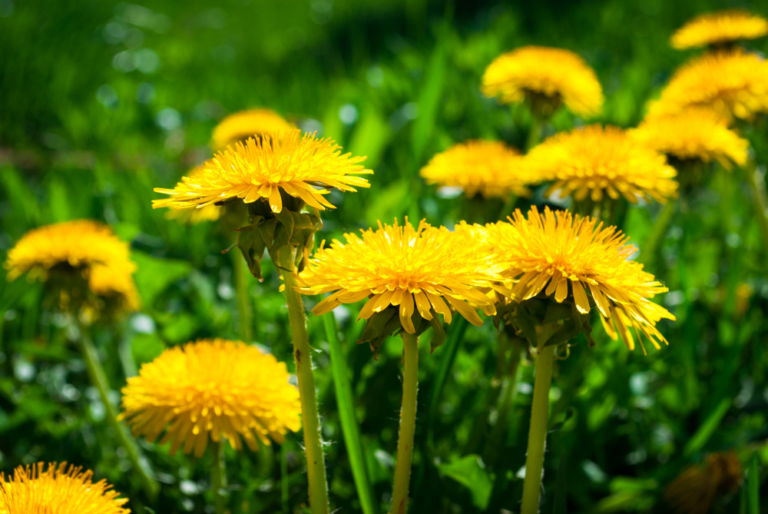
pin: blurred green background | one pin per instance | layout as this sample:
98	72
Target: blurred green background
101	101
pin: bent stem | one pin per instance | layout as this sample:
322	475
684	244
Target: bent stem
99	380
218	477
757	185
302	356
407	424
242	278
537	435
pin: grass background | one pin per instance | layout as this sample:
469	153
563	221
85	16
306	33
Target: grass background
102	101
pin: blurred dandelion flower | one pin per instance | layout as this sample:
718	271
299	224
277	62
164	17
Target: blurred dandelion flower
547	78
551	251
303	167
58	489
695	489
719	28
734	83
82	248
594	161
416	270
695	134
489	168
244	124
211	389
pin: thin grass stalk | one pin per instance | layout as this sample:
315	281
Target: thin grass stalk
218	477
407	424
757	185
651	247
242	279
99	381
302	356
349	424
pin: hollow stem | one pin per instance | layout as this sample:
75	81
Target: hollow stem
302	356
99	381
242	279
218	477
537	435
407	424
757	185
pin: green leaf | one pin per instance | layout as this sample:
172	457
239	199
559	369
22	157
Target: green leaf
753	487
155	275
470	472
431	95
707	428
146	348
372	134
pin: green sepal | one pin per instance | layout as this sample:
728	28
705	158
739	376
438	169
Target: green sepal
377	328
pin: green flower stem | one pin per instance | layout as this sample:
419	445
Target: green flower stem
534	136
218	477
99	381
242	280
757	185
537	435
407	424
302	356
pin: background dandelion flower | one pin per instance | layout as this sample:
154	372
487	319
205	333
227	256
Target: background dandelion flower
719	28
489	168
304	167
59	489
568	256
540	73
245	124
211	389
82	247
595	162
734	83
695	134
416	270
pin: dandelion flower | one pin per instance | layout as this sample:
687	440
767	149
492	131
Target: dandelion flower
719	28
694	490
595	161
695	134
549	75
83	246
211	389
422	270
551	251
734	83
58	489
486	167
245	124
303	167
194	216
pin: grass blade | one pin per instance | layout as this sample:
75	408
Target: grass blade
349	424
753	487
707	428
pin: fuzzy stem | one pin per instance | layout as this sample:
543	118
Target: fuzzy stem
99	381
302	356
407	424
537	435
242	280
218	477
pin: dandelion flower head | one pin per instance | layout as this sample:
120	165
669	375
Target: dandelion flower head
422	270
83	246
594	162
734	83
489	168
534	72
570	257
245	124
58	489
695	134
694	490
719	28
209	390
303	167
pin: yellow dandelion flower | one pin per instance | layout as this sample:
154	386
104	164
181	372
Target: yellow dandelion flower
595	161
551	251
695	134
83	246
194	216
694	490
552	75
417	270
211	389
303	167
734	83
719	28
58	489
486	167
245	124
